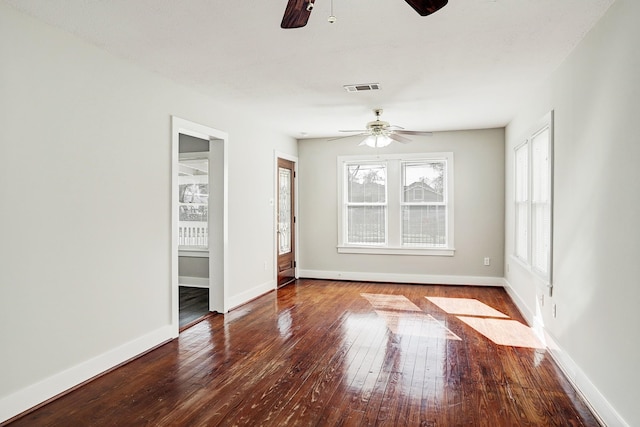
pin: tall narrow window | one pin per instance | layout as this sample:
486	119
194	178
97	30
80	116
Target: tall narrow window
366	203
541	202
533	199
522	202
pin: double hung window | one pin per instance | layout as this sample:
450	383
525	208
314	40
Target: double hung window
400	204
533	199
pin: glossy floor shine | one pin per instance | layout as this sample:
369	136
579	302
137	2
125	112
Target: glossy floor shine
337	353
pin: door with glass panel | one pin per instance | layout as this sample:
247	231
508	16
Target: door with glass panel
286	222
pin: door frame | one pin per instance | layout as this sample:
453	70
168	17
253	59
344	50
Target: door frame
218	143
296	237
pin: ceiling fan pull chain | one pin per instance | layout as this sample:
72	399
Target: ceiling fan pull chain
332	18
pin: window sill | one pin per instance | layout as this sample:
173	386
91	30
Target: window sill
543	279
372	250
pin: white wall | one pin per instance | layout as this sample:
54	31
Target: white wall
85	187
595	97
479	212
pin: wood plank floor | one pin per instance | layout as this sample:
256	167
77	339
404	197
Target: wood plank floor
325	353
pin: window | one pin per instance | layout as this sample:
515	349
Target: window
366	203
396	204
193	198
424	207
533	199
522	202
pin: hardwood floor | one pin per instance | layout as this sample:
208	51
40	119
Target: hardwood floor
194	305
325	353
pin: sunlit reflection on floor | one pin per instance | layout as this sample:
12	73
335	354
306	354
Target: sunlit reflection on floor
504	331
390	302
416	324
466	307
405	318
489	322
285	323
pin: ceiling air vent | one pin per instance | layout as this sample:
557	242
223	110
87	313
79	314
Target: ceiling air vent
361	87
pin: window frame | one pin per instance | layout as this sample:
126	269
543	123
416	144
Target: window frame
531	262
423	203
384	205
394	188
522	201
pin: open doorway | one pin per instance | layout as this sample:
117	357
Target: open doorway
193	230
199	218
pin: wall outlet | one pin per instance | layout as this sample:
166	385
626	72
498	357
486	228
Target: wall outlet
541	300
265	266
487	260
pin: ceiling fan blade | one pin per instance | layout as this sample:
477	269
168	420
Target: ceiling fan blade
413	132
427	7
346	136
296	14
358	130
399	138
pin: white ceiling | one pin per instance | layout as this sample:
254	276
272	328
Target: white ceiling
466	66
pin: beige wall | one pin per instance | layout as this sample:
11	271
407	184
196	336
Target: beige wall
594	95
479	208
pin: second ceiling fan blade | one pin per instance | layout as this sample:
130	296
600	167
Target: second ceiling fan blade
296	14
399	138
413	132
427	7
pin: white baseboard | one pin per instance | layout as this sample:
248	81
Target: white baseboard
30	396
246	296
601	408
194	282
430	279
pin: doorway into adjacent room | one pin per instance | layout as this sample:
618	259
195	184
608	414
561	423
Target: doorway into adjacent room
199	218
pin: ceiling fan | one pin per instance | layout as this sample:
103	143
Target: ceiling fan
297	12
380	133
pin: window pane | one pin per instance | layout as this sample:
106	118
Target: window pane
522	173
522	227
366	183
423	182
366	225
540	167
193	198
424	225
284	211
541	242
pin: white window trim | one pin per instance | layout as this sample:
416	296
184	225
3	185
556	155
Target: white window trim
523	259
546	122
393	245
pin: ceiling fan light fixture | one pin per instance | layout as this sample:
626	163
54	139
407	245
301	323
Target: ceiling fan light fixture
376	141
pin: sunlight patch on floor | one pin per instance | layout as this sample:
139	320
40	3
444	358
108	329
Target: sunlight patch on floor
466	307
390	302
504	332
405	318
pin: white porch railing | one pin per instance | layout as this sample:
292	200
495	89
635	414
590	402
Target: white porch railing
193	234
